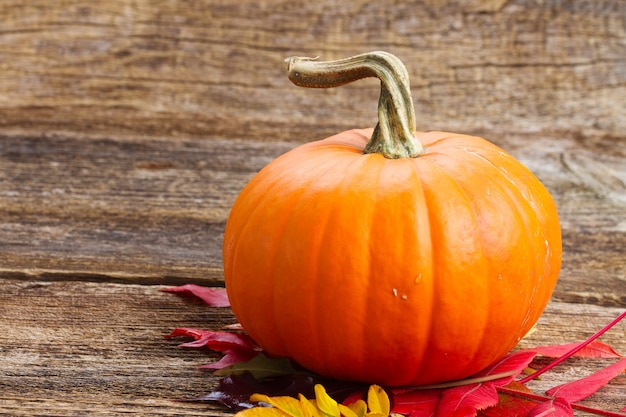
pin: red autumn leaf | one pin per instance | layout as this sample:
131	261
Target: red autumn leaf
577	348
236	347
508	407
513	363
491	392
593	350
552	408
214	297
415	402
200	336
217	341
511	405
466	400
231	357
582	388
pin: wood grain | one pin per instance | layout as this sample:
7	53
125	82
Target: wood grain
154	210
77	348
179	69
119	209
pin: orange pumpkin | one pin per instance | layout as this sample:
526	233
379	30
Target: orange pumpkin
399	269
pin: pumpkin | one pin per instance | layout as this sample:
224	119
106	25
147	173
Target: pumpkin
388	255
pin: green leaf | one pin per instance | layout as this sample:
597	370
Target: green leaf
261	367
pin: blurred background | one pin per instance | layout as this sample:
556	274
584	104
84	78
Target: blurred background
215	68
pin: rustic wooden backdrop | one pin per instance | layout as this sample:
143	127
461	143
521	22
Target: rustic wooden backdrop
128	127
173	69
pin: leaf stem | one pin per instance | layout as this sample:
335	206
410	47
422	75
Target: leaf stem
541	398
573	351
467	381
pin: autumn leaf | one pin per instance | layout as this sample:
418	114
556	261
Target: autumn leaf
215	340
262	412
552	408
583	388
310	410
358	407
214	297
466	400
288	405
262	366
577	347
322	406
416	402
512	364
475	393
492	392
378	401
511	392
327	406
234	391
236	347
231	357
593	350
510	405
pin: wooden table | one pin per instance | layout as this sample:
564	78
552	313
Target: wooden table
127	129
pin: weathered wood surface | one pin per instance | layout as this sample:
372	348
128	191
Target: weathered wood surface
128	128
215	68
77	348
153	210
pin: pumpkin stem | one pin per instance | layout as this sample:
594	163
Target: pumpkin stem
394	135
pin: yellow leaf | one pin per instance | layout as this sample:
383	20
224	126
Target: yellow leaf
324	403
260	398
288	405
309	409
261	412
322	406
378	401
359	408
347	411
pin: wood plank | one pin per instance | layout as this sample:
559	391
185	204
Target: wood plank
137	68
153	210
108	209
74	348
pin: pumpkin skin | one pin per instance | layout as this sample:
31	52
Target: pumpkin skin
392	271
